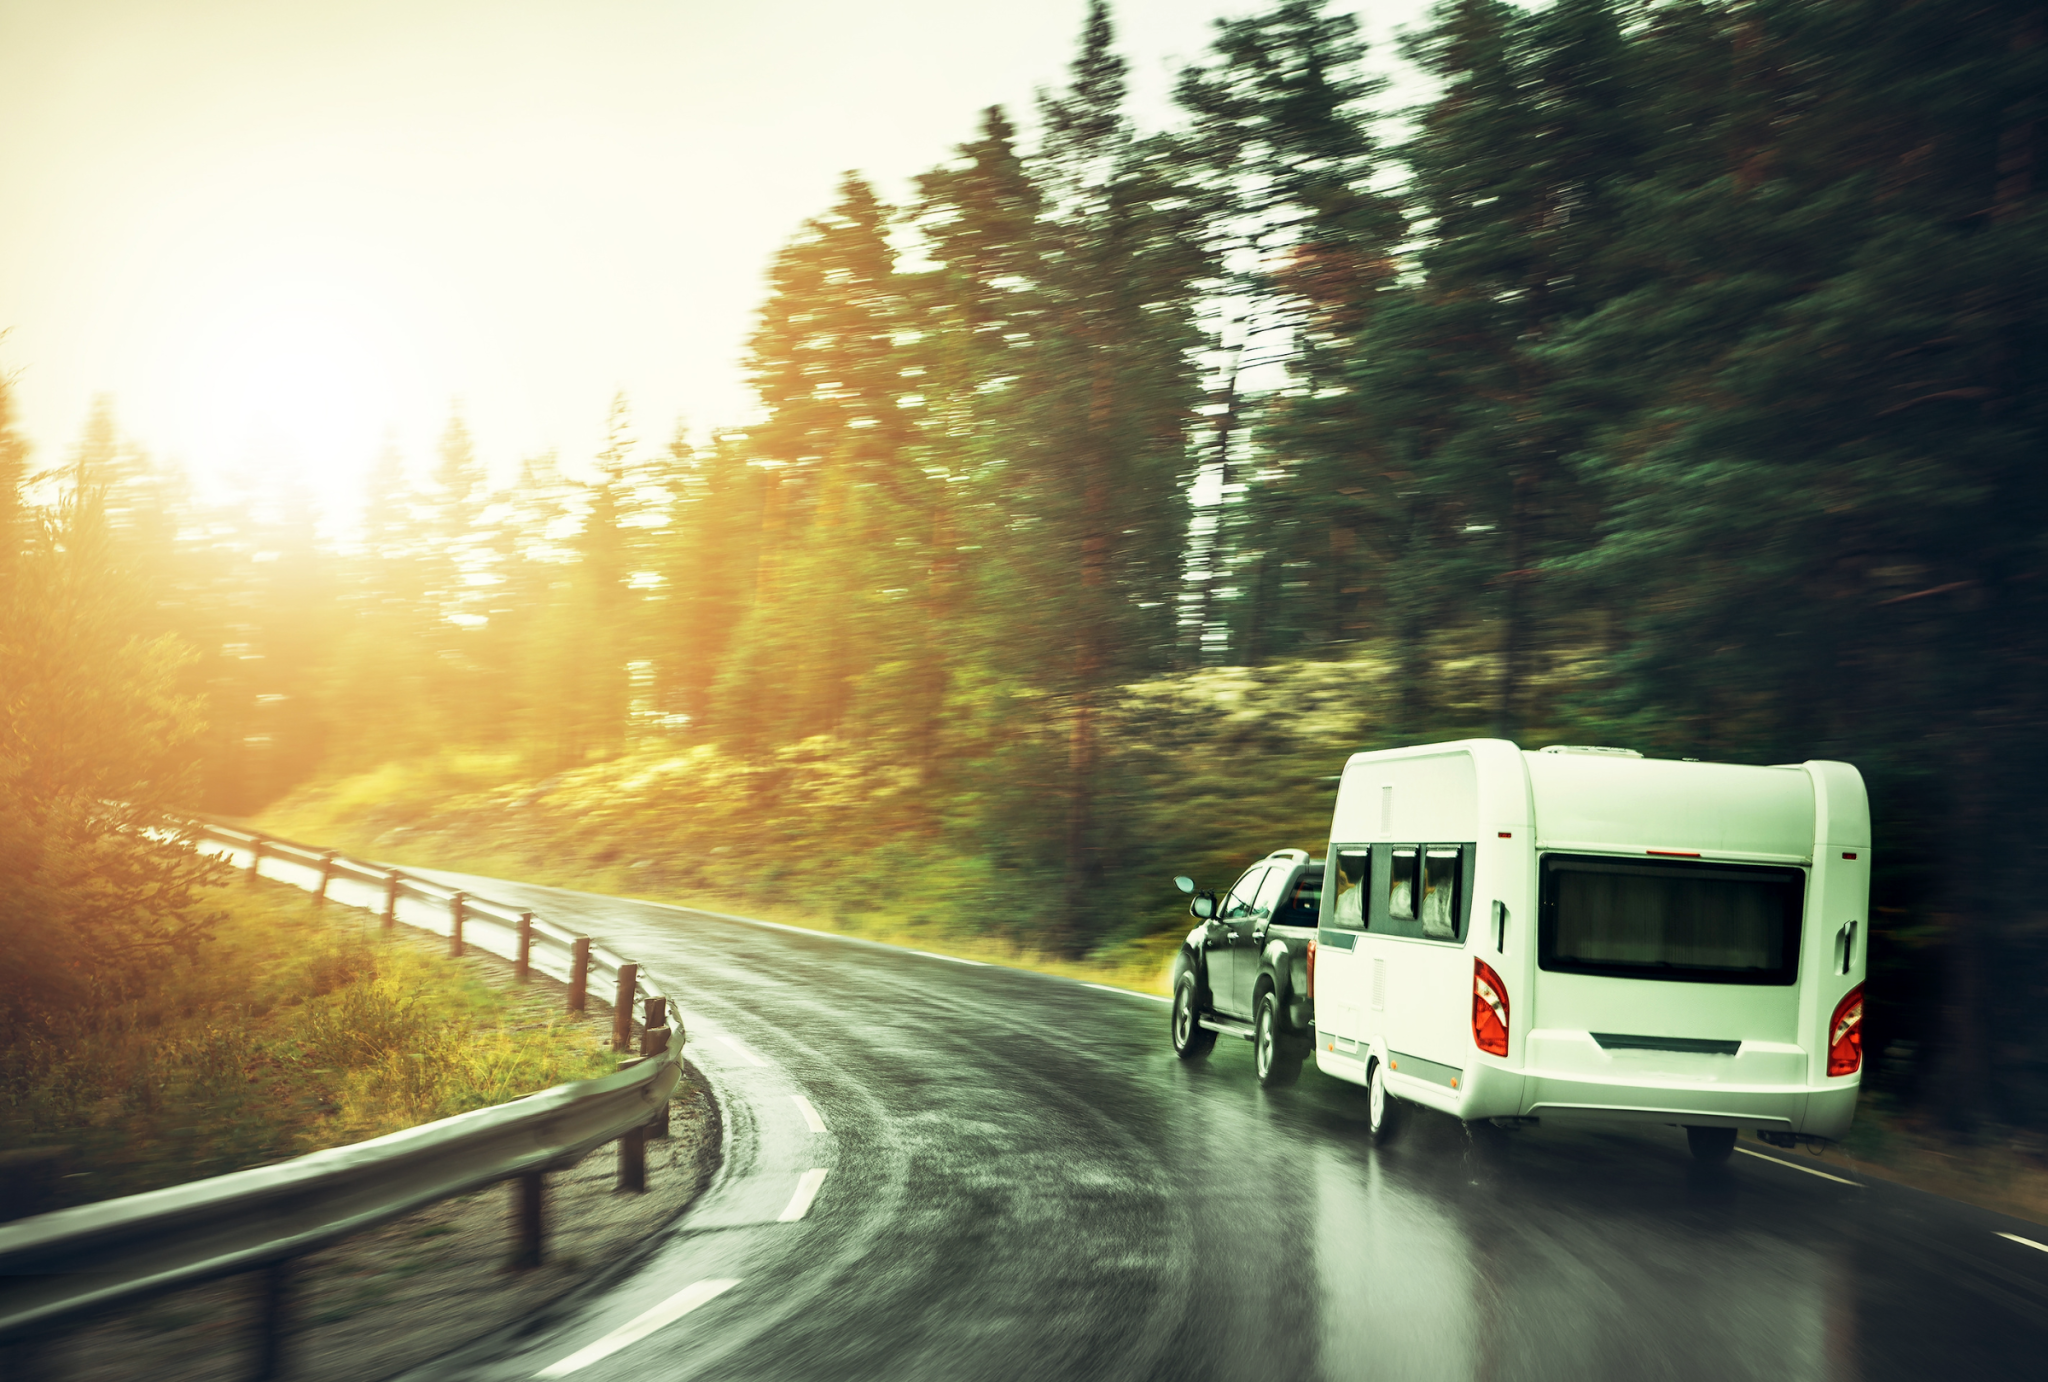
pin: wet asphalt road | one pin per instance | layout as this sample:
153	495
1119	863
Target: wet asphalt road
1021	1181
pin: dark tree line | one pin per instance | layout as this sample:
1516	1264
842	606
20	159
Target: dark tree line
1674	380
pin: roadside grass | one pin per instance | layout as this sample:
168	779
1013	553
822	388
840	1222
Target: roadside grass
461	840
294	1029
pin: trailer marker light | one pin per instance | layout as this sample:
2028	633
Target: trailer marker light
1845	1034
1489	1010
1507	834
1675	853
1849	856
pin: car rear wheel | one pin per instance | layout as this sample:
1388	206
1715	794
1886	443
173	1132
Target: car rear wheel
1710	1144
1277	1061
1191	1040
1382	1114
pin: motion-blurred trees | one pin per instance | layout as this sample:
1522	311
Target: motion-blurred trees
96	742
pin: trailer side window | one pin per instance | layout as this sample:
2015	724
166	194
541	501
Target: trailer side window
1423	891
1440	878
1403	883
1353	881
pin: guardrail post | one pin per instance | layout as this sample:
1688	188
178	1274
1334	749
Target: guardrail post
622	1007
326	876
455	911
653	1042
523	970
528	1198
633	1160
579	974
655	1014
255	859
391	900
273	1318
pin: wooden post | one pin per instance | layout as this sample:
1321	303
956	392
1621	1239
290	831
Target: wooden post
524	970
579	974
455	912
391	900
273	1318
255	859
622	1007
528	1219
633	1160
656	1015
653	1042
326	876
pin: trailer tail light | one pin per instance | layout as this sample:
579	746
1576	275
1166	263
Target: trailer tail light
1489	1010
1311	967
1845	1035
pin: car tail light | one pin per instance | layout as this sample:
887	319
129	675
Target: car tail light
1845	1034
1489	1010
1311	967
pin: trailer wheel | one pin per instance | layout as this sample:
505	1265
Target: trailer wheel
1382	1116
1710	1144
1278	1059
1191	1040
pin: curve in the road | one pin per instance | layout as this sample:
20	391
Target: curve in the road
940	1170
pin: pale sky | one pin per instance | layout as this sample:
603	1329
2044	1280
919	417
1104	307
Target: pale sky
277	232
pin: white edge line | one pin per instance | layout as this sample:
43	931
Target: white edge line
2028	1241
1128	993
935	955
742	1052
810	1114
806	1191
670	1310
1797	1167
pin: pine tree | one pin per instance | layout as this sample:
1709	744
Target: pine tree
1282	150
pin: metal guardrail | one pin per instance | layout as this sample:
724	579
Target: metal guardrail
57	1267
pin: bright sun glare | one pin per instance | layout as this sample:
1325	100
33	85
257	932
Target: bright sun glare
293	374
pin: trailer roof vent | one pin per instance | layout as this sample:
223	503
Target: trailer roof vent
1591	748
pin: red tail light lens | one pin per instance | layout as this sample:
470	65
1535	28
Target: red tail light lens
1489	1010
1845	1034
1311	966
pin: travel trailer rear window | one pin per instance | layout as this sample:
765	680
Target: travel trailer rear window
1663	919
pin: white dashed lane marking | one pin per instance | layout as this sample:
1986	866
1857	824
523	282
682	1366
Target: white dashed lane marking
738	1050
1128	993
1797	1167
669	1311
806	1191
811	1118
2028	1241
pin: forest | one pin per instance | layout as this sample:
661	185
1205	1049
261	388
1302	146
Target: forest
1672	379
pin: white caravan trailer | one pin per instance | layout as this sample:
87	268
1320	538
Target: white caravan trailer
1588	933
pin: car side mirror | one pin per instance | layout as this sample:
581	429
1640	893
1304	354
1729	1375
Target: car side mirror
1183	882
1203	906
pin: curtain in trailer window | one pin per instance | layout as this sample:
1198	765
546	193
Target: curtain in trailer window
1440	893
1353	875
1402	883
